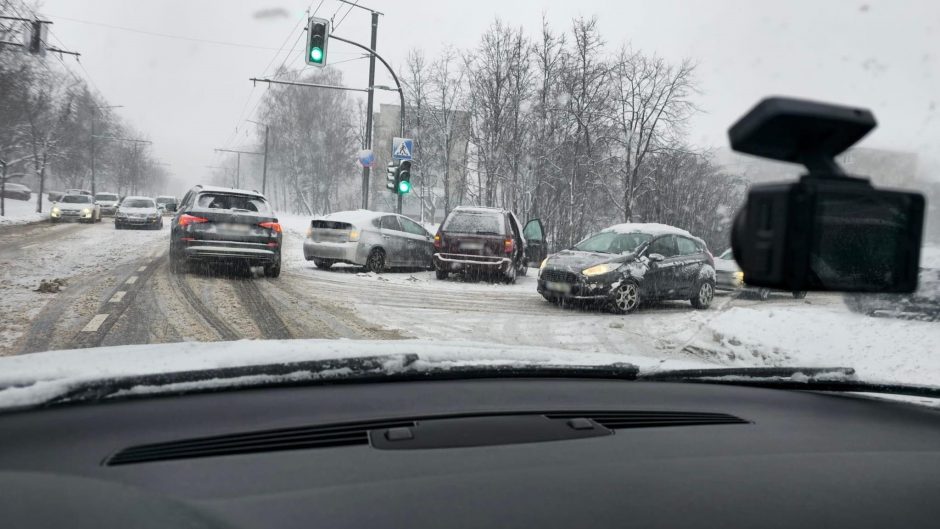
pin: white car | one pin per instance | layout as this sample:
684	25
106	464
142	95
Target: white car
81	208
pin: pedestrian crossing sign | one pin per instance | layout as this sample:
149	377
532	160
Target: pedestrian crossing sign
402	148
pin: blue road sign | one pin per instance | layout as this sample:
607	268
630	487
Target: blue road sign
402	148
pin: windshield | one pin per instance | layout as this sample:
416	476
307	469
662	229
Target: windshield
138	203
76	199
476	223
226	201
494	200
611	242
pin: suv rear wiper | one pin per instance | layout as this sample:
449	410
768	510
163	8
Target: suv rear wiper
837	379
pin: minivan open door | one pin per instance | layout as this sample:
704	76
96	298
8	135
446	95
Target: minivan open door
536	250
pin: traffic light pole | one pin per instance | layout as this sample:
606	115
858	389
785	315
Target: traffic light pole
370	101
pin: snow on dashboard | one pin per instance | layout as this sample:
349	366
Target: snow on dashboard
31	379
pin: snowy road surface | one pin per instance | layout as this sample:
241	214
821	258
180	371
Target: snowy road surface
119	291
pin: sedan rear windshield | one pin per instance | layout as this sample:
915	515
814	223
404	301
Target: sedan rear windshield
613	242
106	196
76	199
138	203
477	223
232	202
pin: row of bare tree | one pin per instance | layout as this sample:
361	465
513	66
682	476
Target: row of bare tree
559	126
563	127
47	115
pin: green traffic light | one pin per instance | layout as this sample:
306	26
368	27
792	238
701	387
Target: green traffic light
404	187
316	54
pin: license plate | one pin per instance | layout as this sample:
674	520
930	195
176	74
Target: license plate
234	228
473	246
563	288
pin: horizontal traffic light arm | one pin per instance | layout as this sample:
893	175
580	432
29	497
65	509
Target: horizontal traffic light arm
311	85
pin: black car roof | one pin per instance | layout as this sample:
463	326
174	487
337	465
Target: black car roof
228	190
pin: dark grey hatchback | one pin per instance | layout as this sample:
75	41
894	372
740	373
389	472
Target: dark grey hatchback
627	264
226	225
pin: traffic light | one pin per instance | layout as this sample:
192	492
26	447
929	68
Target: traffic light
404	177
391	175
318	36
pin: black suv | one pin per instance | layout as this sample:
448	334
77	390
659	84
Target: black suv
225	225
487	240
629	263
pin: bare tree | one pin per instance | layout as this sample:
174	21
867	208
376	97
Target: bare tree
652	106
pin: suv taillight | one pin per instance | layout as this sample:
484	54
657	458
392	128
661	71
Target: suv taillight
271	226
186	220
438	242
509	245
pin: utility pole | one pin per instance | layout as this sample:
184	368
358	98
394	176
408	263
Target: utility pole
264	166
94	114
238	165
370	98
3	188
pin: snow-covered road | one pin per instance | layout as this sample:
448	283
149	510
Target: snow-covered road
119	291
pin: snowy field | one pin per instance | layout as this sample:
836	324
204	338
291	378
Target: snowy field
23	212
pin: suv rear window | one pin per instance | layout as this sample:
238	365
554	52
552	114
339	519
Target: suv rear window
473	222
232	202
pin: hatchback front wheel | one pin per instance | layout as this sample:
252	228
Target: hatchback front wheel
703	295
626	298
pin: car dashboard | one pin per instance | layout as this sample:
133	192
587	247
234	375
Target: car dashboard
475	453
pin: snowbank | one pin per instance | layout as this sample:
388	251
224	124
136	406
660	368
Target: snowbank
880	349
22	211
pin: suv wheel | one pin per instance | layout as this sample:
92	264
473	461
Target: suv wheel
177	264
799	295
763	294
441	274
323	264
509	276
703	295
626	298
273	269
376	261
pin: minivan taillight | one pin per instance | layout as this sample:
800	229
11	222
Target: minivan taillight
437	241
271	226
186	220
509	245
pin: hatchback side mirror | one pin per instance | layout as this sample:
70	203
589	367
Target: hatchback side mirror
655	257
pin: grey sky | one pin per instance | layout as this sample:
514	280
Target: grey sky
187	96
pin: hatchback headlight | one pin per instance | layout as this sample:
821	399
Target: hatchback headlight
600	269
353	235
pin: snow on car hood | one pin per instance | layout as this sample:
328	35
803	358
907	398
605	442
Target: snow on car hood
32	379
73	206
576	260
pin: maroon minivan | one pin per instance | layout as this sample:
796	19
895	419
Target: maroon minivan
491	241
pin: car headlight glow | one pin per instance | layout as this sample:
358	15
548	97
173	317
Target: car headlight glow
600	269
739	276
86	211
56	211
353	235
541	266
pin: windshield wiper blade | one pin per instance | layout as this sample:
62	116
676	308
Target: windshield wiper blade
835	379
355	370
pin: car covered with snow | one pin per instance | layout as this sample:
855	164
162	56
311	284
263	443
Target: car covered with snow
16	191
487	240
627	264
373	239
730	278
78	207
167	204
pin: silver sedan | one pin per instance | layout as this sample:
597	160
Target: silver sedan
372	239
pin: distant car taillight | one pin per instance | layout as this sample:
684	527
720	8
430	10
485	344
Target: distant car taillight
186	220
509	245
437	241
271	226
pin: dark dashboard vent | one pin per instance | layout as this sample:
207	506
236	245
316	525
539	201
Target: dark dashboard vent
307	437
616	420
357	433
